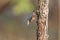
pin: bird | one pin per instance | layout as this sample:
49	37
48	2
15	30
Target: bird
31	18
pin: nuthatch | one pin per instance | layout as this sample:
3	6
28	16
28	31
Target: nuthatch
31	19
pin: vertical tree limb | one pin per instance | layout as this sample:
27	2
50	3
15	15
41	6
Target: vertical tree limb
42	20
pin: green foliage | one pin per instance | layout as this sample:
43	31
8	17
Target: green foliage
22	6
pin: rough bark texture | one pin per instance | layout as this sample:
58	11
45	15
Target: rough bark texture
42	20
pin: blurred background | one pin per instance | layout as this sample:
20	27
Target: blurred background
14	15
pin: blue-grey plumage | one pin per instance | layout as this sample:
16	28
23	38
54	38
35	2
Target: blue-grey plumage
31	18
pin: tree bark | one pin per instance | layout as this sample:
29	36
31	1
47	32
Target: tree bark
42	20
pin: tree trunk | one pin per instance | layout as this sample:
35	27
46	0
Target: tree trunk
42	20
